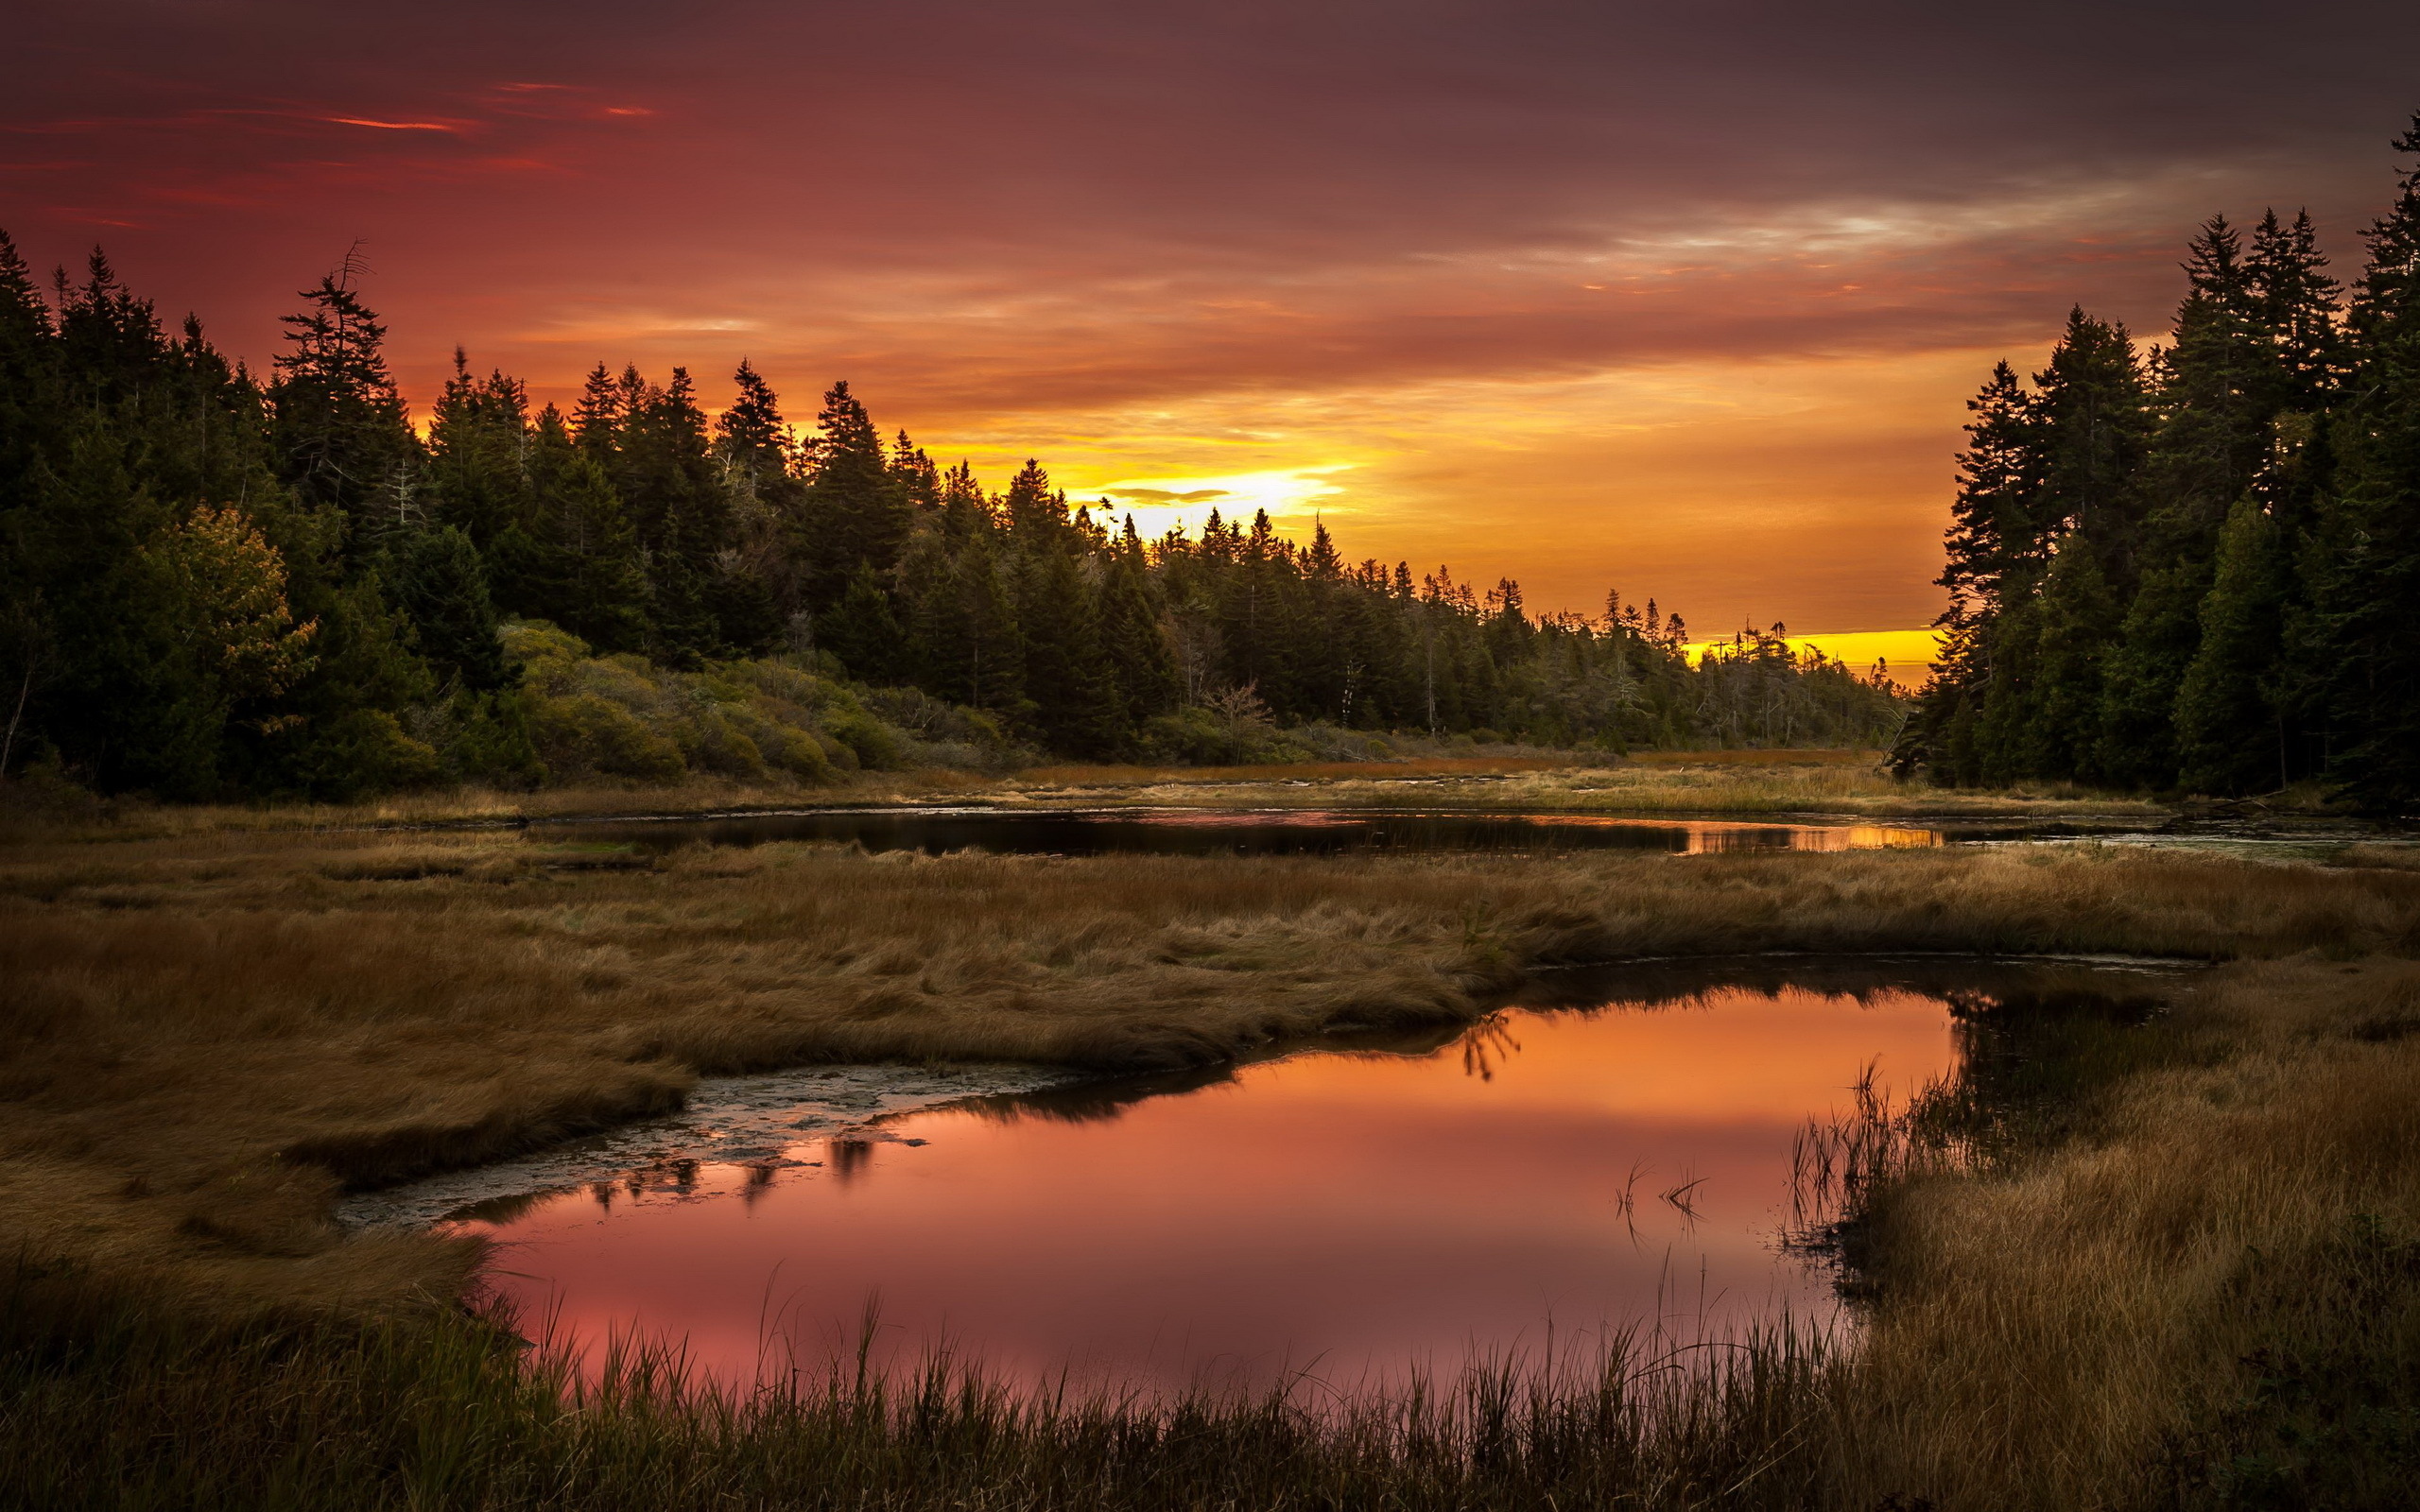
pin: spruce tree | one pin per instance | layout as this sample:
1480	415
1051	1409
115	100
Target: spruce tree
478	476
577	560
1032	511
1142	662
1996	546
2367	594
2220	387
862	631
2047	668
436	578
852	510
2229	727
1067	678
597	419
342	433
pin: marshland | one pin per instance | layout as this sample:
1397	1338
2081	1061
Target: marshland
2106	1250
596	946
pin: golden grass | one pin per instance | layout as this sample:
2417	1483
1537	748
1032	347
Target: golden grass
200	1039
2208	1294
1761	783
1737	782
139	819
1111	775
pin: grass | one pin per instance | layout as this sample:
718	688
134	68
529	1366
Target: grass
2205	1292
1720	782
202	1040
447	1413
2196	1284
2213	1298
1734	782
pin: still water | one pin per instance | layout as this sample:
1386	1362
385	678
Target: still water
1243	832
1621	1161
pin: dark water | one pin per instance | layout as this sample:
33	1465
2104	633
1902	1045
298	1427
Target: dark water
1244	832
1617	1156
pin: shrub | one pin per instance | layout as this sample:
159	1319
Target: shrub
585	735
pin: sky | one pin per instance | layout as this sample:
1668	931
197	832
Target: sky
1680	299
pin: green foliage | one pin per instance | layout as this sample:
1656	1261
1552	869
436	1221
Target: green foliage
2227	722
623	717
436	578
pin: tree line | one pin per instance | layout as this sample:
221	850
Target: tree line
2198	568
219	582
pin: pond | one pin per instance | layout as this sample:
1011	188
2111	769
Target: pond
1246	832
1615	1156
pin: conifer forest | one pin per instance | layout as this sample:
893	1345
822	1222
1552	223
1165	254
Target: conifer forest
2196	568
226	583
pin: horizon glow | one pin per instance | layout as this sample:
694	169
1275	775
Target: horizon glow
1686	305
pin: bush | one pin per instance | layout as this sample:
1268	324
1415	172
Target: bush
364	752
622	716
586	735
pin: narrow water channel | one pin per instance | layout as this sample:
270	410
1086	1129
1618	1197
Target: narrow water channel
1247	832
1618	1158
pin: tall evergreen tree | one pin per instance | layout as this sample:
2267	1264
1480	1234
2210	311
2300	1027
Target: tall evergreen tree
1067	676
477	477
2367	595
2220	387
577	561
853	509
2230	729
1142	662
342	433
2043	712
436	577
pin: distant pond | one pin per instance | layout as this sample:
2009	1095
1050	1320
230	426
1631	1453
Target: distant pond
1614	1155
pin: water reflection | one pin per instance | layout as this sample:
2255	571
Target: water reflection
1616	1150
1244	832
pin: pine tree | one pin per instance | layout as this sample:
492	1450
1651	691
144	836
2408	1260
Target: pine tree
29	655
751	435
1032	511
2045	698
2096	413
1996	546
577	561
596	423
2298	311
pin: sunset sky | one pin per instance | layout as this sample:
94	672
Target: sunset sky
1684	298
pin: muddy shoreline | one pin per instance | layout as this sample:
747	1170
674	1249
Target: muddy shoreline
733	1120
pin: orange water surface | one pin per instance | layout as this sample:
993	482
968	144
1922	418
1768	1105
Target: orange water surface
1354	1214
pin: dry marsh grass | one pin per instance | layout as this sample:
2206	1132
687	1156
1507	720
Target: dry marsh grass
1663	782
2212	1298
1668	782
201	1040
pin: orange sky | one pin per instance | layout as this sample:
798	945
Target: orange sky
1682	300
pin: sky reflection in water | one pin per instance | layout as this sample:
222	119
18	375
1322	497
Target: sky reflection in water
1248	832
1357	1213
